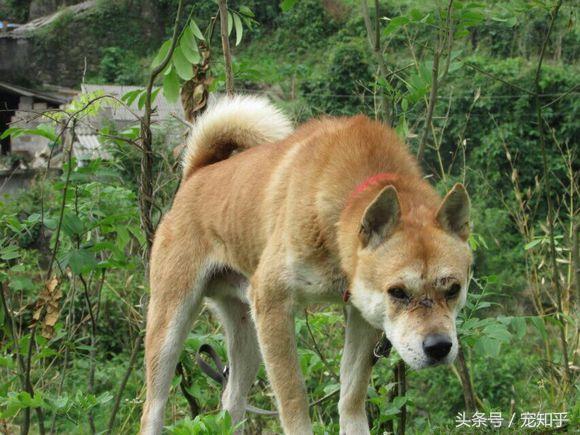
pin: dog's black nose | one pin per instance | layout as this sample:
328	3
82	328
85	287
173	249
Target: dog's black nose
437	346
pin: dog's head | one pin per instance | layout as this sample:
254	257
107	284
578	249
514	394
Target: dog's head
411	276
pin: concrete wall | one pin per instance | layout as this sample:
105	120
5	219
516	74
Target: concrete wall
27	146
13	182
15	61
56	53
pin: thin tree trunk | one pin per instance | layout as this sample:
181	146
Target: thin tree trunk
392	394
374	39
223	5
146	180
93	351
548	192
402	383
468	391
11	328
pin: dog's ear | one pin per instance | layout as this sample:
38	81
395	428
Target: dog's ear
380	218
453	214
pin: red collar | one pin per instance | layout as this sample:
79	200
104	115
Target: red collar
375	180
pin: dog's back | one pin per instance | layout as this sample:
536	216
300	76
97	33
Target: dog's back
246	173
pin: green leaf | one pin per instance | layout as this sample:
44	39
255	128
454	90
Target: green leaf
161	54
44	130
239	28
189	47
230	23
394	24
143	97
540	326
61	402
104	398
286	5
81	261
395	407
141	101
417	15
20	283
154	94
497	331
12	131
171	86
511	21
531	244
181	64
489	346
244	10
72	225
519	325
10	253
195	30
471	17
130	96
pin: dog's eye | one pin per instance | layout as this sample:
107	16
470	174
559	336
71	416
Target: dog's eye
399	293
453	291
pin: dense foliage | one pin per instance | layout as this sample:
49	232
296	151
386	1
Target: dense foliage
72	245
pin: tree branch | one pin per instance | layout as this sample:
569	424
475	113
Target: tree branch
146	197
434	86
146	181
468	391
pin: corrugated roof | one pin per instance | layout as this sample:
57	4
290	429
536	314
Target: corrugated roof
88	147
89	141
40	95
163	108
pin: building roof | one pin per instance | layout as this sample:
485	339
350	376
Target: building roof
49	97
88	147
24	30
163	109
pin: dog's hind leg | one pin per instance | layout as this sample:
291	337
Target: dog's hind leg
243	352
355	372
178	280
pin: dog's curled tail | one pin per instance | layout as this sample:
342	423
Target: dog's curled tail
232	124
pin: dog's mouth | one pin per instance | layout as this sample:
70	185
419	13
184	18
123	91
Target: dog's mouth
435	362
426	363
425	352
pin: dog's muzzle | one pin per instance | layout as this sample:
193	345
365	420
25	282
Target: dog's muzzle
437	347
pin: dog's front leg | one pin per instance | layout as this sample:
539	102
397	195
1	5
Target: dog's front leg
355	372
273	313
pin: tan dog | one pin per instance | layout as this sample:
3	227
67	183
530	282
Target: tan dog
339	205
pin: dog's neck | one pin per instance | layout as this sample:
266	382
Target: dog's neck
378	180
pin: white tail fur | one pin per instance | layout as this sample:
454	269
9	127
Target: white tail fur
233	123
